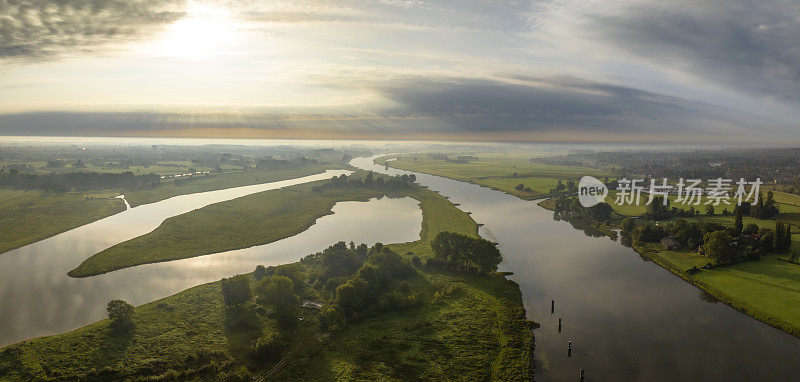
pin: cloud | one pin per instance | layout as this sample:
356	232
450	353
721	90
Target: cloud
35	29
512	107
526	103
750	46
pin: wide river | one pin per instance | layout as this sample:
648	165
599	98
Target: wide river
38	298
628	319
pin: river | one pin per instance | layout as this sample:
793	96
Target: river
628	319
38	298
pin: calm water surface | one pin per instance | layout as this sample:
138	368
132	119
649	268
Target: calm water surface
38	298
628	319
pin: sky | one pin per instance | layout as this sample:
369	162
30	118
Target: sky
678	71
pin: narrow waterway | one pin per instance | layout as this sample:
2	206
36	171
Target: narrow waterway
628	319
38	298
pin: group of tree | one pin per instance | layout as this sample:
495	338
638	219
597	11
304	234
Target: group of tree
714	240
366	292
370	180
464	253
569	207
62	182
570	186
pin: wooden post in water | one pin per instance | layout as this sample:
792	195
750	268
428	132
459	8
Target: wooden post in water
559	325
552	306
581	375
569	349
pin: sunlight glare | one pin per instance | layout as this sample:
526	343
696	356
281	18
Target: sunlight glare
207	30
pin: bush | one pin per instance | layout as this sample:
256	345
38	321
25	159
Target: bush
415	261
121	314
236	291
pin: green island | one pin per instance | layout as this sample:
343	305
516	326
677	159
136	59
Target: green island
248	221
515	174
409	311
765	286
30	215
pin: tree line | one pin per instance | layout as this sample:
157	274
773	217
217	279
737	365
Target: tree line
369	180
62	182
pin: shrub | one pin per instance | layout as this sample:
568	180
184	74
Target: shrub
236	291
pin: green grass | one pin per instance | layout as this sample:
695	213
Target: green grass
473	329
496	171
27	216
166	332
767	289
473	334
244	222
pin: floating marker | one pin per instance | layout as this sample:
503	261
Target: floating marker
569	349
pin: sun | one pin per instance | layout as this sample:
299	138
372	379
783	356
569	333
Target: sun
207	30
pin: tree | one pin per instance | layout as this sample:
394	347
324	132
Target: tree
600	212
347	299
260	272
716	245
709	209
778	237
627	225
120	313
277	291
750	229
787	242
236	291
519	187
739	223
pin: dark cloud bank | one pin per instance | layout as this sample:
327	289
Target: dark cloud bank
519	105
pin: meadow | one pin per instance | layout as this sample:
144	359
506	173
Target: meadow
27	216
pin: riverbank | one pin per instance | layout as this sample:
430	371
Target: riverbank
465	327
767	289
28	216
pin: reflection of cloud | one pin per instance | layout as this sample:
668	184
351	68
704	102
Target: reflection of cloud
40	28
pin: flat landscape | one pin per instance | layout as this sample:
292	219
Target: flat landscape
503	172
463	326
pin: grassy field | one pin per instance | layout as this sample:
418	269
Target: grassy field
767	289
240	223
496	171
27	216
468	327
